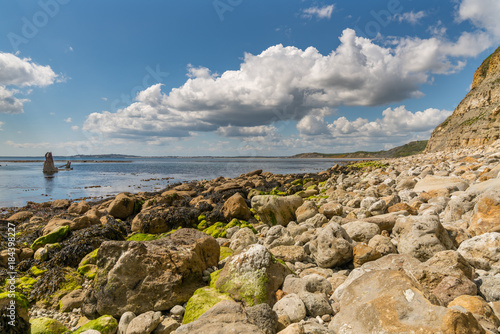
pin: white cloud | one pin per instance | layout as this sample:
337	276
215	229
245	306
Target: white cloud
324	12
410	17
483	14
70	48
68	120
1	124
104	98
75	127
395	122
312	125
20	73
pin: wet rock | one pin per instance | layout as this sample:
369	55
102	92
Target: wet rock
236	207
54	236
167	272
122	206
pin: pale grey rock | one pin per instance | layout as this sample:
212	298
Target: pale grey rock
242	238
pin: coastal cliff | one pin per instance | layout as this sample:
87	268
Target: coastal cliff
476	120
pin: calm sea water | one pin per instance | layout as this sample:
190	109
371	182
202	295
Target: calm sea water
21	182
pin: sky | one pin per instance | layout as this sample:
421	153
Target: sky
234	77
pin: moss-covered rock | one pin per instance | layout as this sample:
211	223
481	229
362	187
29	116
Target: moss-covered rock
51	238
46	326
14	313
105	324
88	270
252	276
219	229
276	210
90	258
225	252
35	271
201	301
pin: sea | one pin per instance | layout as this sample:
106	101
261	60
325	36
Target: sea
100	178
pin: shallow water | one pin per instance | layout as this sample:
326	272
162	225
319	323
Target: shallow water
21	182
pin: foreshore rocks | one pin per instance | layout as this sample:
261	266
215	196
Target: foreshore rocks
407	245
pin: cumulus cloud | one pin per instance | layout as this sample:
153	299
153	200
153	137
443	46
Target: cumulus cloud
324	12
68	120
20	73
312	125
410	17
482	13
395	122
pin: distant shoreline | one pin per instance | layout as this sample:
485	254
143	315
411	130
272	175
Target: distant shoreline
64	161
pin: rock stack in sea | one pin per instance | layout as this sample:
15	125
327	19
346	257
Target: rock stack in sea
407	245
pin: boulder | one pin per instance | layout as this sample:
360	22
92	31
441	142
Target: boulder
292	306
382	244
361	231
313	290
489	287
45	325
242	238
164	218
421	236
389	301
166	272
167	326
363	253
486	214
144	323
105	325
479	308
278	236
276	210
482	251
56	223
432	182
225	317
125	320
331	209
263	316
14	309
79	207
307	210
253	276
122	206
236	207
54	236
20	216
60	204
290	254
72	300
331	246
202	300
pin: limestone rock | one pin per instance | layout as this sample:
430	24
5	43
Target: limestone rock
224	317
125	320
482	251
242	238
79	207
382	244
278	236
292	306
20	216
167	326
276	210
332	246
479	308
489	286
72	300
361	231
389	301
421	236
307	210
331	209
252	276
201	301
363	253
486	214
290	254
166	272
144	323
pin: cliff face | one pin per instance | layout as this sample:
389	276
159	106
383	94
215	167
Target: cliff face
476	120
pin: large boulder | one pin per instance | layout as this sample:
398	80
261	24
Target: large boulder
389	301
151	275
331	246
122	206
361	231
276	210
307	210
163	218
432	182
313	290
236	207
252	276
486	214
421	236
225	317
482	251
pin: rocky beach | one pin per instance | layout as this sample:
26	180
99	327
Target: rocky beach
406	245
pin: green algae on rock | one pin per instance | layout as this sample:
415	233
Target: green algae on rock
201	301
46	326
51	238
105	324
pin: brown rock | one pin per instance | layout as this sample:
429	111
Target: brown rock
331	209
236	207
181	193
151	275
227	186
402	207
122	206
79	208
479	308
290	254
20	216
60	204
364	253
486	214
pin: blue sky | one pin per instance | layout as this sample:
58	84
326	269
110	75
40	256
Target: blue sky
234	77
